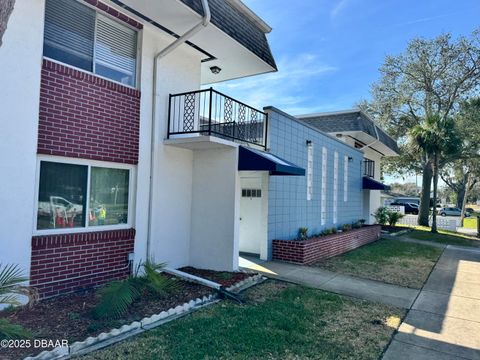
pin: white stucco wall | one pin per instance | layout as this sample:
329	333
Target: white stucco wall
172	178
215	209
20	64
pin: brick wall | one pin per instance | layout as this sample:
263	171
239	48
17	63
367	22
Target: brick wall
323	247
84	116
65	263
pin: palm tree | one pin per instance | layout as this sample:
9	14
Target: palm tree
437	138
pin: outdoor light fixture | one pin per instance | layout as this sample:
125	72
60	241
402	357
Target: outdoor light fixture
309	142
350	159
215	70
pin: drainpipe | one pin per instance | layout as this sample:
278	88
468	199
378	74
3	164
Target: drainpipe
182	39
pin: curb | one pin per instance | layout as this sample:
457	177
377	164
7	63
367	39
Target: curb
137	327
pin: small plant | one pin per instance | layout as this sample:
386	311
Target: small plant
303	233
333	230
10	279
346	227
393	217
117	296
381	215
362	222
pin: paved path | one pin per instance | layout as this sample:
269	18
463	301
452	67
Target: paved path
406	239
337	283
444	321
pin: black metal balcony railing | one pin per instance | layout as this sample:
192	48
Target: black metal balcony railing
209	112
369	168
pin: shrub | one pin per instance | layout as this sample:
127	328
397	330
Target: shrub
302	233
346	227
117	296
381	215
393	217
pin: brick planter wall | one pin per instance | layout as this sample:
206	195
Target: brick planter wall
65	263
323	247
84	116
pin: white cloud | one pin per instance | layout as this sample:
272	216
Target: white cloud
338	8
283	89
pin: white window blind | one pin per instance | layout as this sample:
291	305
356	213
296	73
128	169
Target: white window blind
77	35
115	50
69	33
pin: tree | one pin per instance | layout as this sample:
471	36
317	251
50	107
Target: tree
6	8
465	169
437	139
427	81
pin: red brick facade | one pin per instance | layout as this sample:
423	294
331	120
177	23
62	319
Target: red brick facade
112	12
65	263
323	247
84	116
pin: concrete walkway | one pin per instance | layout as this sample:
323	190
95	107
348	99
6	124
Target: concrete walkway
330	281
444	321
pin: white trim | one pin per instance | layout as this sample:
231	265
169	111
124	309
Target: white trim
90	163
90	73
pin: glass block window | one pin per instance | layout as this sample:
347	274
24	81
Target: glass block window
309	171
335	187
323	203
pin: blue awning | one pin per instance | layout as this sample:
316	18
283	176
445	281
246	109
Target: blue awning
255	160
371	184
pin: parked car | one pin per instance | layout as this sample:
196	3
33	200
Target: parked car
470	210
410	208
452	211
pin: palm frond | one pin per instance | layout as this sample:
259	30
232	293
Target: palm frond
157	281
115	298
10	276
12	331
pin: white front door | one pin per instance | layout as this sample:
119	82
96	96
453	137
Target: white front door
251	221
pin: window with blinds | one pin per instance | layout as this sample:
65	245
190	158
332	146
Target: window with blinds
79	36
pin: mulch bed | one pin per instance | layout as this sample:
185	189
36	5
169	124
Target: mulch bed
392	229
224	278
70	316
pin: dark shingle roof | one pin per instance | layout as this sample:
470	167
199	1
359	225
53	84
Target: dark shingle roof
237	25
354	120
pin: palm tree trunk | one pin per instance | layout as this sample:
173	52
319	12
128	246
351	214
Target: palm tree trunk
465	196
435	186
6	8
424	210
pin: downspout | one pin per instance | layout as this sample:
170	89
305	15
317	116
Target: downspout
182	39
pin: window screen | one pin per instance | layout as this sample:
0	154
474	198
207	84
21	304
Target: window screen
61	195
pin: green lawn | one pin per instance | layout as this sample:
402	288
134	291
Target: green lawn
390	261
443	237
279	321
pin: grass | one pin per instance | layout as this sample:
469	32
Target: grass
390	261
443	237
280	321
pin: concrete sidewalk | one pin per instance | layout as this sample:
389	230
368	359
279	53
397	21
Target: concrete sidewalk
444	322
330	281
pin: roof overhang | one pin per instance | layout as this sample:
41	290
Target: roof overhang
250	159
370	184
370	141
235	60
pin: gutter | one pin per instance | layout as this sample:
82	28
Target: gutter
182	39
373	142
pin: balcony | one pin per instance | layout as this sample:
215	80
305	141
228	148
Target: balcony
211	113
369	168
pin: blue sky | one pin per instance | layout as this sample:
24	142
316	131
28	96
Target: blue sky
328	52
